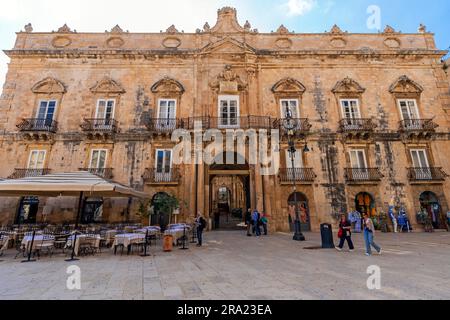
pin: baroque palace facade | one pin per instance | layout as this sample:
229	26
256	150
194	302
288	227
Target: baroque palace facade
371	119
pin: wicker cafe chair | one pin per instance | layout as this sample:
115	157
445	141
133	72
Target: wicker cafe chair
21	249
3	243
139	243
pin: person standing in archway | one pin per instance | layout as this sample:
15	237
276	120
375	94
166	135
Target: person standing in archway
248	221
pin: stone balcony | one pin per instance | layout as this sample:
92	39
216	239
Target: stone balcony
363	175
27	173
430	174
38	129
299	175
99	128
301	127
357	128
152	177
418	128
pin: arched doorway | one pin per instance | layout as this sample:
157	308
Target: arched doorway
160	216
365	203
92	211
430	204
302	202
229	190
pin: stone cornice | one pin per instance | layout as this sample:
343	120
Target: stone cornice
123	53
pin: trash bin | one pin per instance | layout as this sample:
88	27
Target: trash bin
168	243
326	232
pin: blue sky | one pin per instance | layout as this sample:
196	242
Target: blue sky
265	15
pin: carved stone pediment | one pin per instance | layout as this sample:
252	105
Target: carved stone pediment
228	81
172	30
107	85
348	85
405	85
336	30
389	30
282	30
228	45
227	22
65	29
49	86
168	86
288	86
116	29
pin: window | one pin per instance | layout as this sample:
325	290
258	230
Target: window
36	160
289	106
358	164
421	165
163	171
296	170
98	159
167	113
228	111
410	113
104	113
350	113
46	110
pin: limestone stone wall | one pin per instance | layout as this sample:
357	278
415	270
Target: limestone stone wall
77	69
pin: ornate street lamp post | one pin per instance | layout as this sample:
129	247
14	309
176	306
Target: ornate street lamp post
290	124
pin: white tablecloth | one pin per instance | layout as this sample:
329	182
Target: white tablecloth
81	238
128	239
38	241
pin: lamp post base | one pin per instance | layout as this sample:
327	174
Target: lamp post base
298	236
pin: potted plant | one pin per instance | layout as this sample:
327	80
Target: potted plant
166	204
145	212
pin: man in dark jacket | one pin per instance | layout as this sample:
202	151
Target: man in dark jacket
201	225
248	221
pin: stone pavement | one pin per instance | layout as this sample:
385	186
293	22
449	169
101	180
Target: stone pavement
234	267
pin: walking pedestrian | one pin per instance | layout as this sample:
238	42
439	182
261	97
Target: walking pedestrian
264	222
369	232
345	234
248	221
201	225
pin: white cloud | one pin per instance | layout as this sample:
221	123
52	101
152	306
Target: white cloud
300	7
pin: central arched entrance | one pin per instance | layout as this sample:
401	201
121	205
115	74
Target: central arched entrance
302	202
365	203
229	192
430	204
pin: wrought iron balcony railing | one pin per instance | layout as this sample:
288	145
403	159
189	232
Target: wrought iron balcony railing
363	174
426	174
26	173
299	174
357	125
154	177
299	126
106	173
99	125
163	125
420	125
38	125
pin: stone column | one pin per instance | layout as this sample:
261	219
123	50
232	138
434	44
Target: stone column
259	188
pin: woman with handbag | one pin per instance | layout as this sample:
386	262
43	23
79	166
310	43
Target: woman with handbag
369	231
345	234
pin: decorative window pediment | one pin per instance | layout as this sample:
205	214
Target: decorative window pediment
168	86
405	85
108	86
288	86
49	86
348	85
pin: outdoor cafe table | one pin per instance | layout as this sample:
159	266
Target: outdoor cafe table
178	231
79	241
127	239
38	239
151	230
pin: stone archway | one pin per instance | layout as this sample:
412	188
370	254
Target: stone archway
365	203
302	201
429	203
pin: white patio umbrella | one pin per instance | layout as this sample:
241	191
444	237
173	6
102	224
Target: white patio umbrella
68	185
